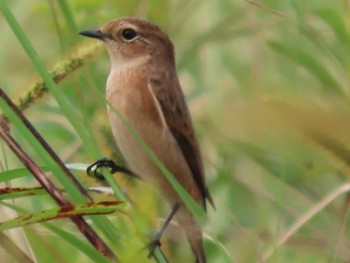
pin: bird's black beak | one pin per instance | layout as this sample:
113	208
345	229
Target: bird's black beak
94	33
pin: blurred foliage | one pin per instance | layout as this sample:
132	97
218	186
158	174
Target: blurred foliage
267	83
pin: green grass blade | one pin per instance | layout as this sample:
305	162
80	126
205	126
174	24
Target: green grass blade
22	172
118	192
59	96
78	243
13	174
81	245
113	184
69	16
159	256
51	164
311	64
335	21
62	212
103	223
12	193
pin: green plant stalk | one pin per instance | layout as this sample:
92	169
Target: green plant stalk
59	96
22	172
78	243
53	166
311	64
103	223
112	183
67	236
12	193
76	59
159	256
13	174
68	15
63	212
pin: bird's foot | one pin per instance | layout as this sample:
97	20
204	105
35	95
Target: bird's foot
93	169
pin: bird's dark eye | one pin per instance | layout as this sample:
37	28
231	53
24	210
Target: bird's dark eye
129	34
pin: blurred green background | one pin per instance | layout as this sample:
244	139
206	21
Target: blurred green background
267	83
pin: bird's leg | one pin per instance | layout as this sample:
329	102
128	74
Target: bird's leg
155	242
93	169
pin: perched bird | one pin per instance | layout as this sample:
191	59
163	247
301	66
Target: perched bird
144	89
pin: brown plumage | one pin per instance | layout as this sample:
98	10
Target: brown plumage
144	88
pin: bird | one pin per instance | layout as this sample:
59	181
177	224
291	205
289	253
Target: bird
143	88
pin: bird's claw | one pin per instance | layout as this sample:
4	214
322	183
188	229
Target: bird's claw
93	169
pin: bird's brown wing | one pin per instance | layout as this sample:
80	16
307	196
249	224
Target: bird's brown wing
178	119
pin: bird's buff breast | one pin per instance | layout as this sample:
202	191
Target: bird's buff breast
135	103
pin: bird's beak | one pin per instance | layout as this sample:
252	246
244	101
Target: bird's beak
94	33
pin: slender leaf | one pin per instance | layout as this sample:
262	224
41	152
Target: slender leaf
335	21
311	64
56	92
63	212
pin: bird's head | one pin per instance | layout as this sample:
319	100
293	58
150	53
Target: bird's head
133	39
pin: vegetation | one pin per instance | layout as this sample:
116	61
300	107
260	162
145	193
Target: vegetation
268	87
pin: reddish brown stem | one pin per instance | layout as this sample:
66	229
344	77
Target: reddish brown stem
83	226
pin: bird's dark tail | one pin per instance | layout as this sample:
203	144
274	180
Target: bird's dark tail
193	233
198	251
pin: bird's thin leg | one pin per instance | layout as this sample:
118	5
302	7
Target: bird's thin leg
155	242
92	169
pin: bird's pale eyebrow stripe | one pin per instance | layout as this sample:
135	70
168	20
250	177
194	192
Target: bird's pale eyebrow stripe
128	25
